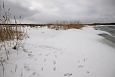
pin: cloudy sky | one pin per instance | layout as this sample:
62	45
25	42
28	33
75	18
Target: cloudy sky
47	11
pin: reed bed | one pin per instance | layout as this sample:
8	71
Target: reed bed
10	36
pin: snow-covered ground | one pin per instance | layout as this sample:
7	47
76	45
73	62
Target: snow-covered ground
62	53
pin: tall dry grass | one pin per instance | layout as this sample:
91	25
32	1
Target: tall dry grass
10	36
60	25
66	25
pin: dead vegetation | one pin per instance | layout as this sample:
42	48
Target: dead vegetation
65	26
8	32
59	26
10	36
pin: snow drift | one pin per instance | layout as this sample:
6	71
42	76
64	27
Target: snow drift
63	53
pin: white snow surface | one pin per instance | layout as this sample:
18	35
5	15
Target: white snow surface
62	53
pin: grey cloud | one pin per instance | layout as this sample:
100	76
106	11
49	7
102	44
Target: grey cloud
18	10
44	11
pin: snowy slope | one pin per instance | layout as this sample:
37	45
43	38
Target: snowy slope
62	53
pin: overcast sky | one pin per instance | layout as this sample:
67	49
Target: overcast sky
46	11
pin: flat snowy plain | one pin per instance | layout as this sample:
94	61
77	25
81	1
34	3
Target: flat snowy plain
62	53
